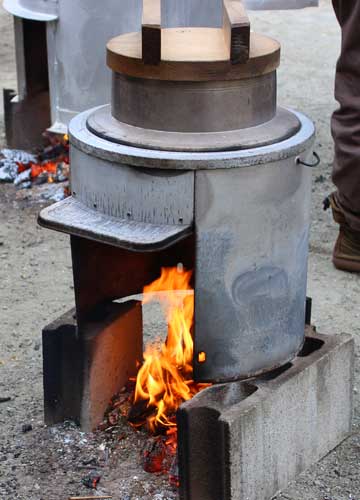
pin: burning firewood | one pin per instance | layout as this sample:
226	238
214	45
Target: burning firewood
139	412
174	478
47	166
154	455
149	403
91	480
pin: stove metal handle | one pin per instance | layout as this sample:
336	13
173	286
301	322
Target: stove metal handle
316	163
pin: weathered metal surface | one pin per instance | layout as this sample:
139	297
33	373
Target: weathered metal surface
133	194
73	217
89	143
76	84
252	230
249	440
37	10
194	107
283	126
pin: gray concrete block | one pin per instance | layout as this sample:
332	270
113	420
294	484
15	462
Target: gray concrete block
112	354
84	369
62	358
260	435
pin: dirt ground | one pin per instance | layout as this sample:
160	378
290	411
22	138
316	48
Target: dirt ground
36	287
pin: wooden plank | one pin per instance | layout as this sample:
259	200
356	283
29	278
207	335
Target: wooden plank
236	31
151	32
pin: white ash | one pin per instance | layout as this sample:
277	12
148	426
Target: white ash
61	175
54	192
16	155
24	176
45	186
7	172
8	164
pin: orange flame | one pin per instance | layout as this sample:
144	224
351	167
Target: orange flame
48	167
164	381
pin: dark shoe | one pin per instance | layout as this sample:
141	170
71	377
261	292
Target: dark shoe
346	254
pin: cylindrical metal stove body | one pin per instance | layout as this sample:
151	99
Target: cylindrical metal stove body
203	148
79	78
252	231
250	210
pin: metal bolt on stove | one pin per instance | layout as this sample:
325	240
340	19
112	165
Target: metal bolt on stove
192	162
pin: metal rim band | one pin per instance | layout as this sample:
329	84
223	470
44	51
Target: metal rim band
282	126
89	143
35	11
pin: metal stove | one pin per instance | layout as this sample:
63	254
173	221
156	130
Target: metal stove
54	82
60	62
192	162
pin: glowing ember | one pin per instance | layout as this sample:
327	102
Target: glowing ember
164	381
52	164
48	168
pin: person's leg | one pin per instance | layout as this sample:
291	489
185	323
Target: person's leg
346	133
346	120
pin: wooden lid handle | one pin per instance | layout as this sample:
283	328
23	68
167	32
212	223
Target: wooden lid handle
236	27
151	31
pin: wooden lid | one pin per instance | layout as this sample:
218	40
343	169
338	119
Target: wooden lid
192	54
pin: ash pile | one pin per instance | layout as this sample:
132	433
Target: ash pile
42	175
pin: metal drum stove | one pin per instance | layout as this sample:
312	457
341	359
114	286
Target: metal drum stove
193	162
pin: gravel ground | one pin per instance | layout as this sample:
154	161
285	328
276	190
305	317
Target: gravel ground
36	287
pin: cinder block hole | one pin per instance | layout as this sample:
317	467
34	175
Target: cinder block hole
226	395
276	373
311	345
210	402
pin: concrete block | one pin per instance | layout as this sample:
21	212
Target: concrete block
247	441
62	359
112	353
84	369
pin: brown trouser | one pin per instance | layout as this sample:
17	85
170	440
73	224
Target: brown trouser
346	120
